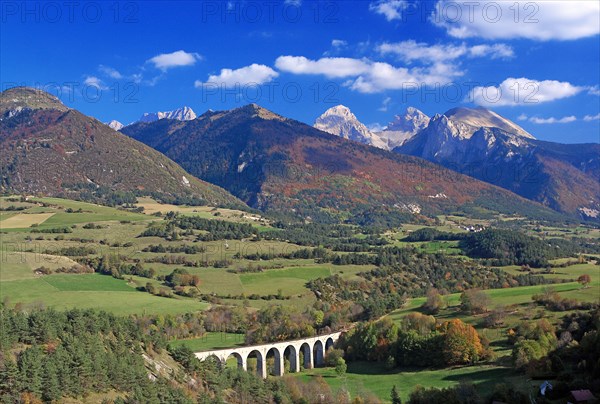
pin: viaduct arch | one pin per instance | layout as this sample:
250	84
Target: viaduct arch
313	350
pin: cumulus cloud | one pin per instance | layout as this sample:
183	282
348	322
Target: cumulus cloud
589	118
552	120
411	50
165	61
254	74
367	76
390	9
522	91
522	117
541	20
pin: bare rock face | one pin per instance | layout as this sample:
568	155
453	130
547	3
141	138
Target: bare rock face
404	127
476	118
180	114
116	125
486	146
340	121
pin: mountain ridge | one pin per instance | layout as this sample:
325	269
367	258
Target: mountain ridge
51	149
281	165
556	175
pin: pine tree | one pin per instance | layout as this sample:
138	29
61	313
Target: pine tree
9	379
395	396
30	370
51	388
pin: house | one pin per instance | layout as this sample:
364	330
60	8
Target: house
582	396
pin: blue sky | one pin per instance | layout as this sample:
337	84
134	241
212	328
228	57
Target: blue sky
535	63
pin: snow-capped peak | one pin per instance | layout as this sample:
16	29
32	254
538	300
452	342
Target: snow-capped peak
477	118
180	114
340	121
116	125
405	126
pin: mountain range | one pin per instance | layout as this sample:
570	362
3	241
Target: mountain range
284	166
179	114
51	149
484	145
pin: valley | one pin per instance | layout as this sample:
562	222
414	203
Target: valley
45	265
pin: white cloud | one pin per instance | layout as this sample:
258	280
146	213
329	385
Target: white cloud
338	43
411	50
93	81
522	117
594	90
496	51
179	58
522	91
296	3
589	118
254	74
540	20
390	9
552	120
337	47
329	67
385	104
367	76
376	127
110	72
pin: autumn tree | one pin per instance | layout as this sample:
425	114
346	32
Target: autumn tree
461	343
585	280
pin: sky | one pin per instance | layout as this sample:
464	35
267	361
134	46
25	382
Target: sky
536	63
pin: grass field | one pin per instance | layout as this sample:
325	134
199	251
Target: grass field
289	280
24	220
21	265
100	292
370	377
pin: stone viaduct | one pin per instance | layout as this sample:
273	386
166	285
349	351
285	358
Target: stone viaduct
313	350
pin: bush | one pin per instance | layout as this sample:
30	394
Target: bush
332	356
474	301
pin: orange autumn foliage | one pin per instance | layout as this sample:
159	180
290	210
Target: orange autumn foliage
461	343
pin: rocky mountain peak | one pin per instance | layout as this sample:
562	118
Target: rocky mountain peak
480	117
340	121
412	120
179	114
116	125
405	126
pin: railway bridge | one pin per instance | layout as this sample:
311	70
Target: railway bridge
313	351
